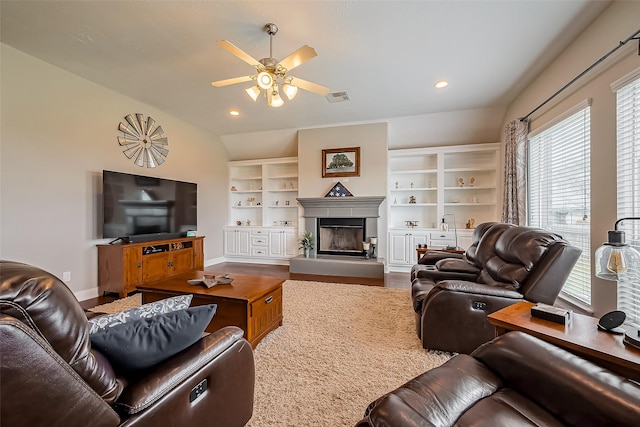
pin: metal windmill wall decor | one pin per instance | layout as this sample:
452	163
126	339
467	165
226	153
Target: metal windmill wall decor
144	140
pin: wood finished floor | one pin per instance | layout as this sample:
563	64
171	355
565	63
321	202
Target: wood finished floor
391	280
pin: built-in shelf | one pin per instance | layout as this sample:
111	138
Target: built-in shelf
431	177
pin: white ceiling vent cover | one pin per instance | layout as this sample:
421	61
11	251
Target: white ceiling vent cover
337	97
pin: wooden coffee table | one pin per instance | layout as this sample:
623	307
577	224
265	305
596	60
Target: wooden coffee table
253	303
581	336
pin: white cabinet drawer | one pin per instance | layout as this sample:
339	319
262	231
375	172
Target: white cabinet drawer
258	232
259	241
442	235
442	239
259	252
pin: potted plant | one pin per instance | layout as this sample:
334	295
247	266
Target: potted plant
306	242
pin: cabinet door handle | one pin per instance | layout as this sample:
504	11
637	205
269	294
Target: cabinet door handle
139	264
268	300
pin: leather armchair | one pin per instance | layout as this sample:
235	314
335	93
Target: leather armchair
513	264
50	374
465	264
515	380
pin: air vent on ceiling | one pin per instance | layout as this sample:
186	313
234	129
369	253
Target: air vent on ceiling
337	97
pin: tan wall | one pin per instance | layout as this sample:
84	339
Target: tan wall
372	140
616	23
58	132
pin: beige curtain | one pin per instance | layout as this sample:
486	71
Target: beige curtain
514	204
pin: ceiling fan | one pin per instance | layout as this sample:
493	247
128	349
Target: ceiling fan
271	73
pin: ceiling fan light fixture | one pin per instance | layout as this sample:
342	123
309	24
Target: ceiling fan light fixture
253	92
272	73
265	80
290	90
441	84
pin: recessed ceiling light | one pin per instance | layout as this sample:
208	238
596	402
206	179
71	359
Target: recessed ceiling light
441	84
234	113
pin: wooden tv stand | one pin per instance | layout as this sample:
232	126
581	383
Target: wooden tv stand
123	266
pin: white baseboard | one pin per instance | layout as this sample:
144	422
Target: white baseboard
258	260
87	294
214	261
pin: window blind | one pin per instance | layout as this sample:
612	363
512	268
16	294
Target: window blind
559	191
628	160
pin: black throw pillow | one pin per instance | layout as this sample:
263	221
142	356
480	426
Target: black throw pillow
143	343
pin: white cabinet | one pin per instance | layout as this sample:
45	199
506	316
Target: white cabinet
403	244
427	183
236	241
283	243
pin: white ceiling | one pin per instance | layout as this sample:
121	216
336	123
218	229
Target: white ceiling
386	54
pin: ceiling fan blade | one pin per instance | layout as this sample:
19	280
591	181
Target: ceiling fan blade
232	81
236	51
310	86
298	57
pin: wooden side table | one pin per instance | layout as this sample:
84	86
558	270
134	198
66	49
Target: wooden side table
424	249
580	336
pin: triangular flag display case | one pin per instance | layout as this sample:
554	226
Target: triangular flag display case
338	190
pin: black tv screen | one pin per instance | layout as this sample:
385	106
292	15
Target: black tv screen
147	207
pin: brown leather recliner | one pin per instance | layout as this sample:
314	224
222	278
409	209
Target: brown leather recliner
512	263
430	261
515	380
51	376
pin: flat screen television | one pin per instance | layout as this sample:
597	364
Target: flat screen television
141	208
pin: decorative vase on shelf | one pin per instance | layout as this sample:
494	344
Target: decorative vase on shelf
306	252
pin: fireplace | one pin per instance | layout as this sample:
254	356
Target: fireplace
341	236
340	225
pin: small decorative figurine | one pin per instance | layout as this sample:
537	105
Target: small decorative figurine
471	181
412	199
238	222
429	183
411	185
461	181
471	223
248	222
233	188
277	202
396	185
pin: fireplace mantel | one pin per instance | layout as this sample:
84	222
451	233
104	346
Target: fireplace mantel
341	207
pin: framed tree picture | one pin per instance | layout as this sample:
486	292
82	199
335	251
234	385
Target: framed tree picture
338	162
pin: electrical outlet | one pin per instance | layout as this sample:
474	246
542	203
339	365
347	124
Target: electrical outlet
66	276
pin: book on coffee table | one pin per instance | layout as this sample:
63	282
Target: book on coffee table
210	280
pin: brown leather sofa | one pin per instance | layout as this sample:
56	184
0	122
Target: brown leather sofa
515	380
51	376
510	264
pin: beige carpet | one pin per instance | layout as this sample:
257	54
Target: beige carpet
340	347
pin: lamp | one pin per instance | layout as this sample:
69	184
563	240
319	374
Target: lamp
617	260
290	90
265	80
273	98
253	92
455	230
